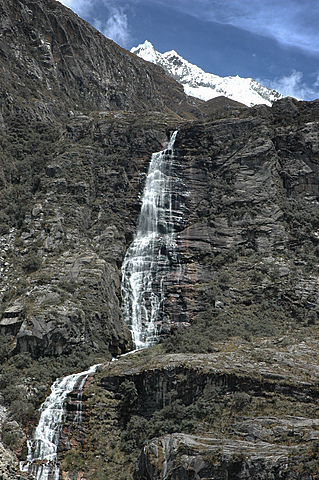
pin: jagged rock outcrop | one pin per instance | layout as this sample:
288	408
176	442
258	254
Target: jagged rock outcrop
194	457
8	466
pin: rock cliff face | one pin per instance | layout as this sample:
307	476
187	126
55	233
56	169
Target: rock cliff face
8	465
237	413
192	457
252	186
61	277
80	118
251	205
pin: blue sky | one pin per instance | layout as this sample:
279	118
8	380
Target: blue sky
273	41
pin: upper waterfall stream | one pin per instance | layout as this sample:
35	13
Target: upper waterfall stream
150	257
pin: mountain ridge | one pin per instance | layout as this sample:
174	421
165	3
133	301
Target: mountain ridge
204	85
64	63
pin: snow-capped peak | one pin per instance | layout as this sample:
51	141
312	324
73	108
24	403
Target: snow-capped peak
200	84
149	52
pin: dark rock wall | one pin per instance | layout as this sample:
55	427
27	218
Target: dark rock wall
187	457
248	180
179	378
255	419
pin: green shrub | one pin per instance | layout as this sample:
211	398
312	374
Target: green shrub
21	361
135	434
21	409
68	285
5	347
43	278
75	459
9	438
240	400
31	263
11	393
4	228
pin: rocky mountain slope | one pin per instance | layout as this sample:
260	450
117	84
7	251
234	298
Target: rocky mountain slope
232	389
205	86
53	63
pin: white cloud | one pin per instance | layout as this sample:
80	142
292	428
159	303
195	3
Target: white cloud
116	26
293	86
290	22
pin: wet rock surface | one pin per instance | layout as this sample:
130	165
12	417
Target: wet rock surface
248	182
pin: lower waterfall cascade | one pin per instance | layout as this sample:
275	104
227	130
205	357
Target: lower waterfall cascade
41	460
149	261
152	256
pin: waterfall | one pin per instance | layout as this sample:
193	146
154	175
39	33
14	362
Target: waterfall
41	460
152	255
149	263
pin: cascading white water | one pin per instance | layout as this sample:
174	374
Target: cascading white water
148	262
152	253
41	461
